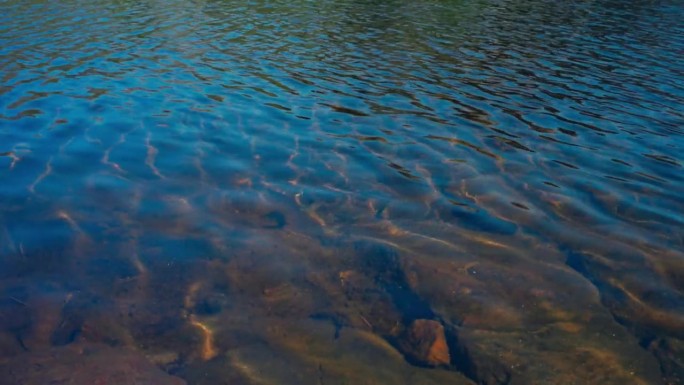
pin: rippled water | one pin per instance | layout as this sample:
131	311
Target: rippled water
352	192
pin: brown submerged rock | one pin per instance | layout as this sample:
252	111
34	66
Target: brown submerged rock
519	315
425	343
83	364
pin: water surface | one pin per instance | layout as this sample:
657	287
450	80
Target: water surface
341	192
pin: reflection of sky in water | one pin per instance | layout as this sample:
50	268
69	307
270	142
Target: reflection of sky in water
293	192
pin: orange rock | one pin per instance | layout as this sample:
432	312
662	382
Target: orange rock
425	342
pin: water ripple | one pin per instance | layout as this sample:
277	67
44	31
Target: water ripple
526	155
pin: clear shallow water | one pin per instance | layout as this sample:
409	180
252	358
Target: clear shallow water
289	192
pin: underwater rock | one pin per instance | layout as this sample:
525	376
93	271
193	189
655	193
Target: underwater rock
552	355
384	265
518	321
366	305
425	343
83	364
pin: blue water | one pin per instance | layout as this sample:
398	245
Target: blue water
280	192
